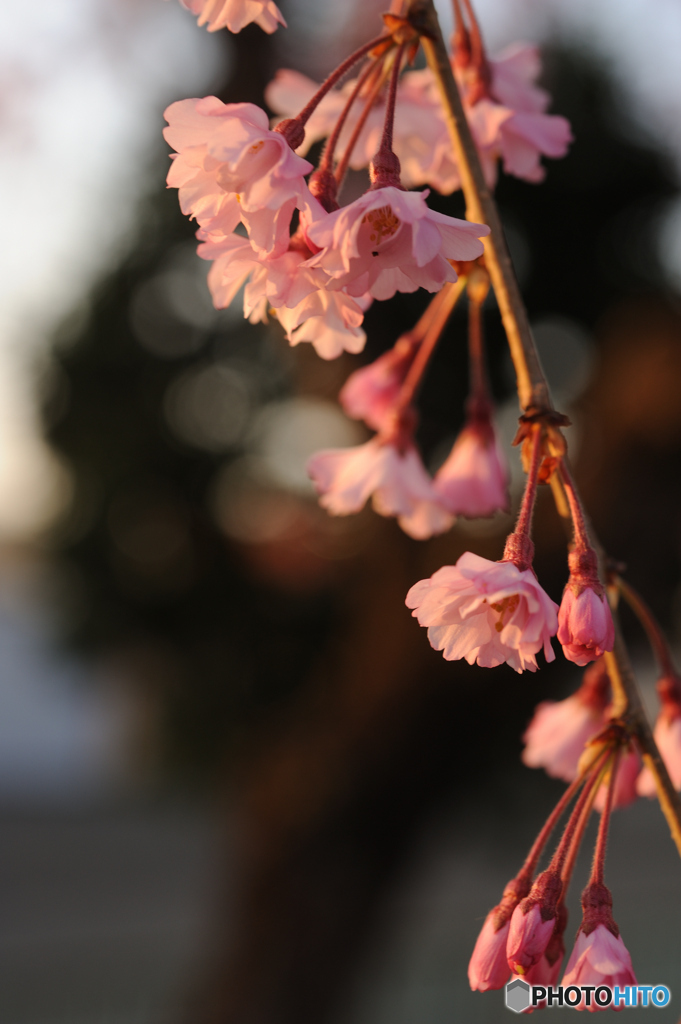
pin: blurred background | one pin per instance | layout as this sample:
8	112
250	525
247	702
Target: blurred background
236	783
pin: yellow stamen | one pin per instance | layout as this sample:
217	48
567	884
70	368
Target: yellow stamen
383	222
505	608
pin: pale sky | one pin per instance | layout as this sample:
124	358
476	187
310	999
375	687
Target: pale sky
79	94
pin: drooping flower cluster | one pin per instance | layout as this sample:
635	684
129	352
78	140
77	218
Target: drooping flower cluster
523	935
473	480
509	122
495	612
232	170
272	226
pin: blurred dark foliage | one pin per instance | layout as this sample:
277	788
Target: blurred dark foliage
350	728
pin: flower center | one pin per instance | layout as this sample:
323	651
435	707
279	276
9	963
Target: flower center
505	609
257	146
382	223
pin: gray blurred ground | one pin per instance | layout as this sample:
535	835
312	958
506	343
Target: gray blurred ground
104	913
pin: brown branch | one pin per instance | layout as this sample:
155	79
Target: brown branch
533	389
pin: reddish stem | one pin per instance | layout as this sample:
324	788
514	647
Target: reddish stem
460	41
599	852
477	46
580	829
524	522
576	510
342	166
439	317
479	384
329	149
389	122
560	856
547	828
384	169
335	76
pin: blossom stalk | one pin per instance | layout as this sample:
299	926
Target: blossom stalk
293	128
437	320
384	169
371	97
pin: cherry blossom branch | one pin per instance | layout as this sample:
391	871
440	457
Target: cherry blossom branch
532	386
533	389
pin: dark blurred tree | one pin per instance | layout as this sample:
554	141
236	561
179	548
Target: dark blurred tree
332	791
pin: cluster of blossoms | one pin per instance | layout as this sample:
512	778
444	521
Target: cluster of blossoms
272	225
523	935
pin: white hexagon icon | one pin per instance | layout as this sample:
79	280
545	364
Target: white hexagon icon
518	995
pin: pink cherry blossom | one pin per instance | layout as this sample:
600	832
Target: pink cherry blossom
509	124
420	139
486	612
370	393
296	295
556	736
330	320
546	970
668	738
271	281
528	936
488	968
514	72
585	626
236	14
396	481
228	148
543	972
473	481
625	784
389	240
599	958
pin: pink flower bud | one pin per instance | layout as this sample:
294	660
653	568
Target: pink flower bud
396	481
556	736
474	480
533	923
599	958
546	971
528	937
585	626
488	968
624	792
370	393
667	736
